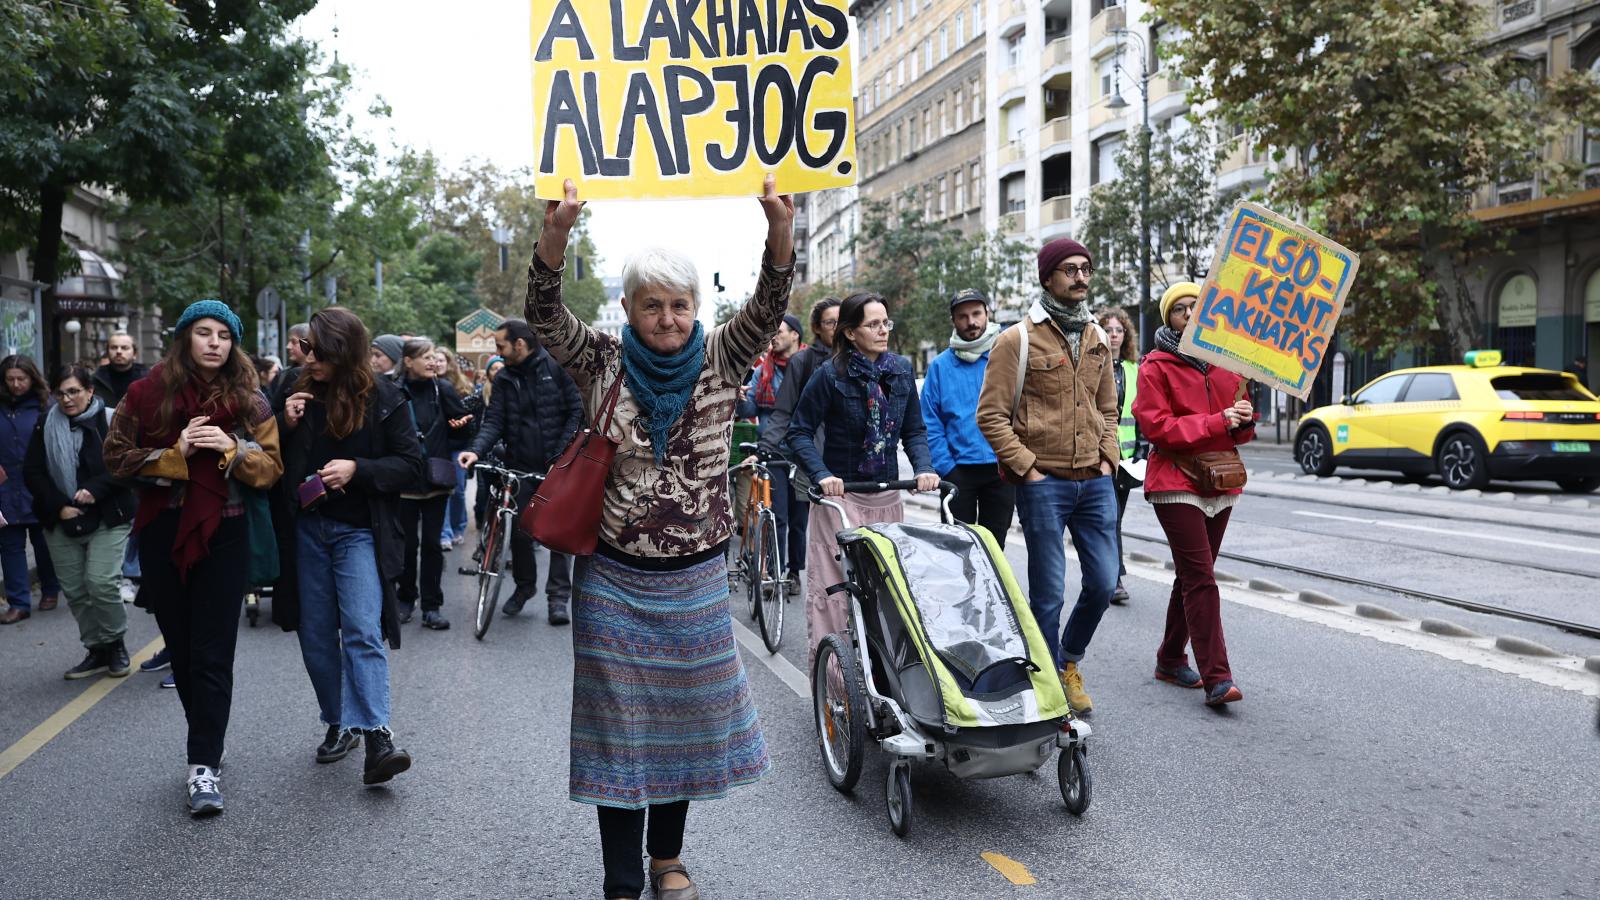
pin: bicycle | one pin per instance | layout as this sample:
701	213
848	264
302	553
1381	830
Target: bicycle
760	563
492	542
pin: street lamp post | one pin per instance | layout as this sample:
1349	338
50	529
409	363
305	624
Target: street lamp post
1146	336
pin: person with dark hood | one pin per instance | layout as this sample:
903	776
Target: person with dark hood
534	411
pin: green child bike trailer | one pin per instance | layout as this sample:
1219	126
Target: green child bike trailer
943	662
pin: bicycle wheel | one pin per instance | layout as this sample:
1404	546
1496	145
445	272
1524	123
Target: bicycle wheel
489	571
753	562
772	587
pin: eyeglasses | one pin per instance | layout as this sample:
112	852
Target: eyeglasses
305	346
1071	271
71	393
879	325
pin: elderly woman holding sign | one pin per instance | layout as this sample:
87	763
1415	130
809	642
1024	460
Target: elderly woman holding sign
661	712
1195	415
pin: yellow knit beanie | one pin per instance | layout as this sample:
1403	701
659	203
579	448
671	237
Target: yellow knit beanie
1174	294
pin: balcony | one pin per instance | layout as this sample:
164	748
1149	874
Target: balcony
1055	210
1011	79
1011	223
1101	114
1058	52
1054	132
802	222
1013	13
1010	153
1111	19
1513	12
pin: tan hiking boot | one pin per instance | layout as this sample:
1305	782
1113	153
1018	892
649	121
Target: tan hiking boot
1072	683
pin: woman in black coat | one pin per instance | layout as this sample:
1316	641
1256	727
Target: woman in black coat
87	516
350	450
440	417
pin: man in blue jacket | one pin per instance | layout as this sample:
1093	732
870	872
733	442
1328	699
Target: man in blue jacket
950	407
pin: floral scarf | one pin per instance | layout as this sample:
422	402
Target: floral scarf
882	428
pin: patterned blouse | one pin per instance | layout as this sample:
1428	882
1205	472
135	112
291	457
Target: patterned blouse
681	508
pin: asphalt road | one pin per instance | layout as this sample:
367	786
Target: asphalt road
1353	768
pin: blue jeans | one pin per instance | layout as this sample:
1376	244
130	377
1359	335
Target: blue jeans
1088	510
130	559
455	515
14	560
341	630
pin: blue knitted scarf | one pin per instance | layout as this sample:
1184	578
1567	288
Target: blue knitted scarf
662	384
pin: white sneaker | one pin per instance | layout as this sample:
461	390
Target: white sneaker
205	795
128	590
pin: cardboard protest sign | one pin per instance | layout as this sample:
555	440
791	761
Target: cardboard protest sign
691	98
1268	307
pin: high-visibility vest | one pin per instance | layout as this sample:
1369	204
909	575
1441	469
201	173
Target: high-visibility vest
1126	433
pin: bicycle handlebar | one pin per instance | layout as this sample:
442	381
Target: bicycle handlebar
497	470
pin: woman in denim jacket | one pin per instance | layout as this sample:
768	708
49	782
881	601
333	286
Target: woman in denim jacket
868	397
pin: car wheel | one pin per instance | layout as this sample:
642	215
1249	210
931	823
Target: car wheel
1463	462
1581	485
1314	451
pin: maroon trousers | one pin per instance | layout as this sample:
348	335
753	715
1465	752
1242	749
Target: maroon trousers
1194	614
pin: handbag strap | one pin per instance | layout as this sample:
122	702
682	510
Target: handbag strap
608	406
1022	367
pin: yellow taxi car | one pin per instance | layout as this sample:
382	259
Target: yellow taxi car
1466	423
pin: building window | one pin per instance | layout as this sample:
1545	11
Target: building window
961	29
960	180
927	125
1014	49
939	198
913	64
902	71
1106	151
1517	317
900	13
927	54
975	178
944	43
944	120
976	93
977	18
1106	68
958	100
1591	141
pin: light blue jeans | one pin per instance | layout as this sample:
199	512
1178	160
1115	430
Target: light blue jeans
341	615
455	516
1088	510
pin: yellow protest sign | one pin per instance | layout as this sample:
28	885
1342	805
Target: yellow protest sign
1269	305
691	98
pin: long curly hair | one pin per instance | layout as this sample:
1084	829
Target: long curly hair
340	341
234	389
1130	335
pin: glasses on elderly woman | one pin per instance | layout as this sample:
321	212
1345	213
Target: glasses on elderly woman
71	393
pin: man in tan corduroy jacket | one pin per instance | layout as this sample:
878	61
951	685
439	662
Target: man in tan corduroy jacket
1059	444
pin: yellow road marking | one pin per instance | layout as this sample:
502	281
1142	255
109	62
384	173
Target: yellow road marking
1015	872
30	743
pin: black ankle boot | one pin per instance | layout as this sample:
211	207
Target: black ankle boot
384	759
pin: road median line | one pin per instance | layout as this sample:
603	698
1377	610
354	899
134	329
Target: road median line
30	743
775	662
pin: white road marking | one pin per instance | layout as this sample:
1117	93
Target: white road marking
780	666
1452	532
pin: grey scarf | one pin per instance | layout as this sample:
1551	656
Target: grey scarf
1169	340
1070	318
972	351
63	443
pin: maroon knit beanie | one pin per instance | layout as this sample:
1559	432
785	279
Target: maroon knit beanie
1057	250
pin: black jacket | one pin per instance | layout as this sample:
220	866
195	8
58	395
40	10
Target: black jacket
394	466
107	392
801	367
434	403
114	503
535	409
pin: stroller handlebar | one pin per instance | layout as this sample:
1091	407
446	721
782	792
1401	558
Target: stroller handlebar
880	487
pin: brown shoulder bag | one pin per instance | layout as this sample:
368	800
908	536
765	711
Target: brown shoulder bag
564	514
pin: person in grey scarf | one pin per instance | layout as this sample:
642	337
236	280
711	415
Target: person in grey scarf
950	407
87	516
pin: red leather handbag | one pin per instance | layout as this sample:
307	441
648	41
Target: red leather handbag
564	514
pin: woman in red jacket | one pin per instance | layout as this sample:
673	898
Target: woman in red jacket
1185	407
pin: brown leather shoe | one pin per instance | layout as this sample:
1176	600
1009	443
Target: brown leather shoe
13	616
684	893
47	602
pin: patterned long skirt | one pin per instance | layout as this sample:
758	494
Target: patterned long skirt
661	710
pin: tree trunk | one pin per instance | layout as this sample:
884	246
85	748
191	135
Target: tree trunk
1453	306
47	270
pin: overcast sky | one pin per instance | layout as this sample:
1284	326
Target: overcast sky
457	76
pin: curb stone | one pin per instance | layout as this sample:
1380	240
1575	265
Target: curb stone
1318	598
1265	586
1447	629
1226	576
1538	499
1139	557
1523	647
1574	503
1500	496
1592	664
1374	611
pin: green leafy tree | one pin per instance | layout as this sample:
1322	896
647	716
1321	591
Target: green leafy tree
155	100
916	266
1186	211
1397	113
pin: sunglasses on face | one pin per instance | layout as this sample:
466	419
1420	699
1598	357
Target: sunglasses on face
305	346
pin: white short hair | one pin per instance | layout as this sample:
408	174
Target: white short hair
663	268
